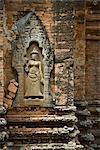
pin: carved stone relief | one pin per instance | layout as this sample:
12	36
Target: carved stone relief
33	61
34	77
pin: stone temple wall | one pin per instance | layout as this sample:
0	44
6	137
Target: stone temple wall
31	125
71	27
87	75
57	18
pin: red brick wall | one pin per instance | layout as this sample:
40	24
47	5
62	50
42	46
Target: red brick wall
1	55
14	10
57	18
87	74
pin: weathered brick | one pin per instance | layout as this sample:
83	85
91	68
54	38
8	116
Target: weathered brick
12	88
8	102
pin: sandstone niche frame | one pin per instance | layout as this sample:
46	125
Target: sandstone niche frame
30	30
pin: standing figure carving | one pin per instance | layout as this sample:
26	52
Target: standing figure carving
34	77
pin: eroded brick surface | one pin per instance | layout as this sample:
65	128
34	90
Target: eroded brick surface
87	94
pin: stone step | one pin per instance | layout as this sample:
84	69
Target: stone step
93	17
47	146
31	111
96	146
65	109
39	135
92	37
89	137
42	118
84	112
93	27
32	131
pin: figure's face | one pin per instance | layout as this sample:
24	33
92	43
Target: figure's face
34	56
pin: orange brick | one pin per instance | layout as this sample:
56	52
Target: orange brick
8	102
12	88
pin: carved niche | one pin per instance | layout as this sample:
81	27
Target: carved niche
33	61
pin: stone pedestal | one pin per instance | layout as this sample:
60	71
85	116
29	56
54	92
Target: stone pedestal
43	129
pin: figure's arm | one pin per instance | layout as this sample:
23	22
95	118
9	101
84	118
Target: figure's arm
41	73
27	67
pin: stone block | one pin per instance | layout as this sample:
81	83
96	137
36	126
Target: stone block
2	110
8	96
14	81
62	100
8	102
3	122
56	89
5	105
12	95
12	88
59	67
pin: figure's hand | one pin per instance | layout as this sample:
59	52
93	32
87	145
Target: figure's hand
25	60
27	69
42	80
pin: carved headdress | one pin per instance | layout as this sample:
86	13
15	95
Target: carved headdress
34	51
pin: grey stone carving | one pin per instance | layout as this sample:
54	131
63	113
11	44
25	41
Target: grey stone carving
3	136
2	110
22	22
32	31
3	121
34	76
